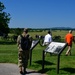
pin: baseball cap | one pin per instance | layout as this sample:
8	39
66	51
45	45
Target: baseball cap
70	31
25	30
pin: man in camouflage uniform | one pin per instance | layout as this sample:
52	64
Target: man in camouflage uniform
23	55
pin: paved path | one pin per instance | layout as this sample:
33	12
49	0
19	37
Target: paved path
12	69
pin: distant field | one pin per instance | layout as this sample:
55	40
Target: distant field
62	33
9	54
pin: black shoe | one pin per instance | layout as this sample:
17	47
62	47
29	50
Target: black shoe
21	72
25	72
66	54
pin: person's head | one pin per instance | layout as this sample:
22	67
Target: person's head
25	30
49	32
70	31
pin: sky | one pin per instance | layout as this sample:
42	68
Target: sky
40	13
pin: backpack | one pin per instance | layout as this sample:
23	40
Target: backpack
25	42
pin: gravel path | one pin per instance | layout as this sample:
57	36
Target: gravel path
12	69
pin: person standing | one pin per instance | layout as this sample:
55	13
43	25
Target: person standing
24	43
68	40
48	38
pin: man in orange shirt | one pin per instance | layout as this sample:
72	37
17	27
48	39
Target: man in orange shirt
68	40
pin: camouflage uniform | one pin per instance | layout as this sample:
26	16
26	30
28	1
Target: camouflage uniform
23	55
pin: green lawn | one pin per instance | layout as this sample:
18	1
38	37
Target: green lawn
9	54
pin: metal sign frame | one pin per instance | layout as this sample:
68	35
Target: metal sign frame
57	48
34	43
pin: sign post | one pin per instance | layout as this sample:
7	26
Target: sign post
43	57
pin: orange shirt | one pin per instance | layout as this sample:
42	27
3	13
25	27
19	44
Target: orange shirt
69	38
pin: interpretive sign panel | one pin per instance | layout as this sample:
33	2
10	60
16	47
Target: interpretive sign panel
34	43
55	47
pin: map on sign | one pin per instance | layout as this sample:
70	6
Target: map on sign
55	47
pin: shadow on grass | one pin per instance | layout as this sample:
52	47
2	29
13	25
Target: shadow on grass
45	70
7	42
70	70
46	62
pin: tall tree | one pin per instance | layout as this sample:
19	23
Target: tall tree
4	19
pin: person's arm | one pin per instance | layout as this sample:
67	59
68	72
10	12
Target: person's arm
18	40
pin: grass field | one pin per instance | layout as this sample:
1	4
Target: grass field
9	54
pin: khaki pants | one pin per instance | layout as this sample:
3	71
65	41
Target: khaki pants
23	57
